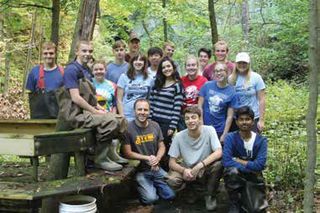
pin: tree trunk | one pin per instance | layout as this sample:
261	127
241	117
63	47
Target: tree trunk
213	22
31	44
85	24
311	119
165	23
245	20
55	21
7	71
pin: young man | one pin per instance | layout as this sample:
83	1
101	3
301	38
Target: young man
168	51
119	65
244	158
134	46
154	56
79	107
200	150
43	80
221	51
144	142
204	56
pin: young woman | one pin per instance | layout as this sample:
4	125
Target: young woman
166	99
133	85
216	100
250	89
105	89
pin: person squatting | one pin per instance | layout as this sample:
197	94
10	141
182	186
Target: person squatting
187	131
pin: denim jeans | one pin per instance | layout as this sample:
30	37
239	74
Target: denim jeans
151	186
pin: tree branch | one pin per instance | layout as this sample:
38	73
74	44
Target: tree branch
22	5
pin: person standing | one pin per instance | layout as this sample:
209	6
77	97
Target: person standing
133	85
166	100
250	89
42	82
204	56
221	51
154	56
217	101
119	66
134	46
144	142
200	150
244	159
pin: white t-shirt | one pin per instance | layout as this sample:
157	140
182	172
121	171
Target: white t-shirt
193	150
248	145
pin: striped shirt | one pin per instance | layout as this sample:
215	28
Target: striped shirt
166	105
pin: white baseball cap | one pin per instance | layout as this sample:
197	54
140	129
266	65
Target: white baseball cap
243	56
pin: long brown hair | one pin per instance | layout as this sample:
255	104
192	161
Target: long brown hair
132	72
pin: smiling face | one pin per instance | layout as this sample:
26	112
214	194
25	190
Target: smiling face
49	55
138	64
203	59
167	69
245	122
84	53
193	121
220	72
221	52
192	67
154	59
142	111
134	46
242	67
168	51
99	71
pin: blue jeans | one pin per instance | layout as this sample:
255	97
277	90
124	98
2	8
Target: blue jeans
151	185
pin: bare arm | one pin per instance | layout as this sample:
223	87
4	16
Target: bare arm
120	92
216	155
262	109
228	124
77	99
133	155
161	151
186	172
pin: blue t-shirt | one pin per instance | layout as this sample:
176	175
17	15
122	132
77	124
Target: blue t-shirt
53	79
73	72
247	92
216	103
114	71
133	90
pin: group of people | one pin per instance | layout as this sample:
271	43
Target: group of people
187	131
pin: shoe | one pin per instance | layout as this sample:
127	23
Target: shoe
108	165
211	203
113	154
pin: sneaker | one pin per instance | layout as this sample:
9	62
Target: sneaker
211	203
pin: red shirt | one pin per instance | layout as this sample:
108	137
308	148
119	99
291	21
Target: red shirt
208	71
192	89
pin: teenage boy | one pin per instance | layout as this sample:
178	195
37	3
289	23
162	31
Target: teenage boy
43	80
168	51
144	142
200	150
244	159
221	51
119	66
154	56
204	56
134	46
79	108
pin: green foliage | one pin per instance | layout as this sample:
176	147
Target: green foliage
285	113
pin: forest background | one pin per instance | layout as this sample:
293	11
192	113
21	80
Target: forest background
274	32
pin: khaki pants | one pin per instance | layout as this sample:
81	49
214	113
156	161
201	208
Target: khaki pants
207	181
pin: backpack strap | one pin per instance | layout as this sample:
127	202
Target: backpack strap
40	84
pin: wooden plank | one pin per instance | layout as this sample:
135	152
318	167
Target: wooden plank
31	126
22	145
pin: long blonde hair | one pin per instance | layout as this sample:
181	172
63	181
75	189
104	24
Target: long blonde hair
234	75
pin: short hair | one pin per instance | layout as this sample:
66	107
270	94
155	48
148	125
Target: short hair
140	100
168	43
205	50
99	61
245	110
193	110
49	45
82	42
189	57
119	43
155	50
221	43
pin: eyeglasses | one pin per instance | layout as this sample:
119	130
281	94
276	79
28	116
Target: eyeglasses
220	70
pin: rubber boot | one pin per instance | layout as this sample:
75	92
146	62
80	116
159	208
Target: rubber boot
101	159
113	154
